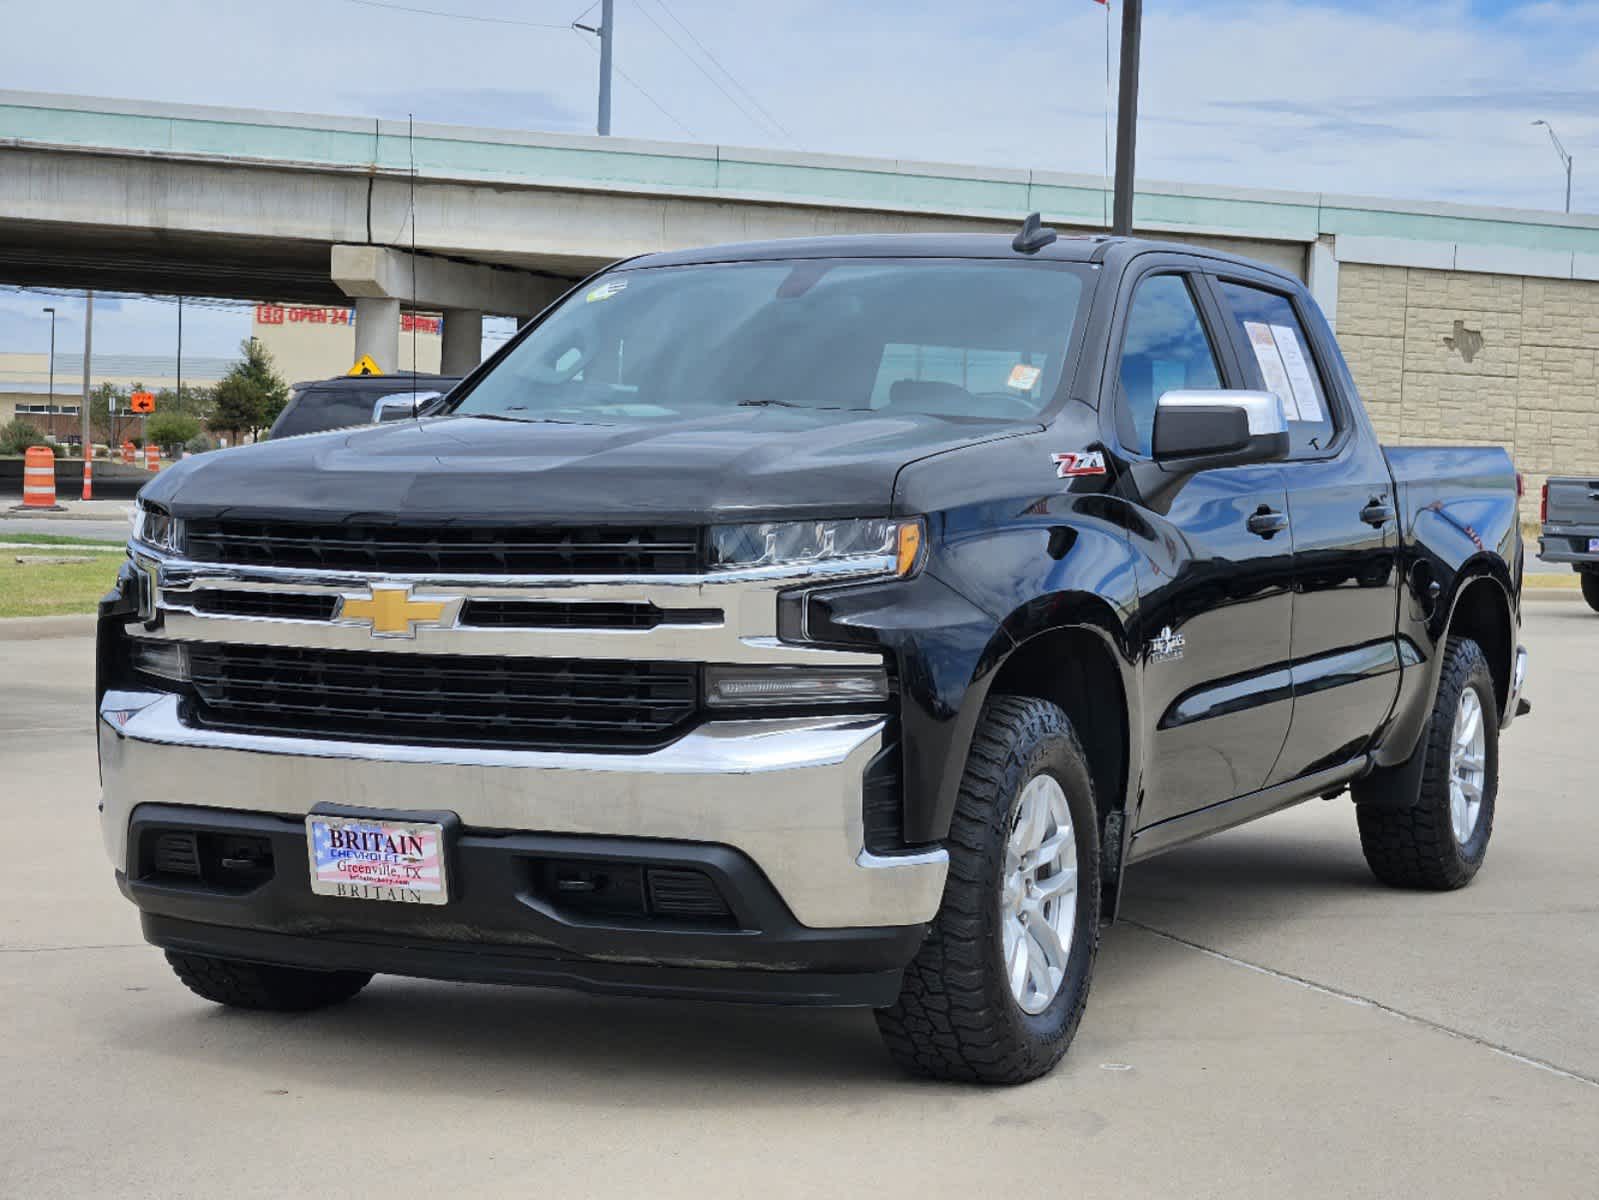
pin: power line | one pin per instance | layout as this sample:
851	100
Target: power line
700	67
705	50
454	16
629	80
77	294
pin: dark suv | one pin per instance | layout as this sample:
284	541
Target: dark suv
347	400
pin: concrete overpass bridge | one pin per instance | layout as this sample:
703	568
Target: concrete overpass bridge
134	196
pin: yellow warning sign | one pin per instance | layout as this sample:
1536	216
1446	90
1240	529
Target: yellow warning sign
365	366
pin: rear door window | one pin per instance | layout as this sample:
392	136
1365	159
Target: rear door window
1279	358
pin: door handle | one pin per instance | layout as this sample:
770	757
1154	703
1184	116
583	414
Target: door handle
1378	512
1267	522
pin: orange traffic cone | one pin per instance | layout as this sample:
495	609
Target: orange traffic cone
39	478
88	472
152	457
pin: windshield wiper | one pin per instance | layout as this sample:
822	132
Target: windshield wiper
806	407
522	420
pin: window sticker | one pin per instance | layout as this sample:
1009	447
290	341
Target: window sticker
606	290
1272	369
1298	368
1023	377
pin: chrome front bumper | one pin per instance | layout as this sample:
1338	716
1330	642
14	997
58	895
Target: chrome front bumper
787	793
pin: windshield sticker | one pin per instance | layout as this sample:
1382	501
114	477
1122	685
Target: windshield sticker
1023	377
1298	368
606	290
1271	367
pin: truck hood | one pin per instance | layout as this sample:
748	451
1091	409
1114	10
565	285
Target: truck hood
737	465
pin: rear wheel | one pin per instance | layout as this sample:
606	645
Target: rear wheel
999	986
1590	588
267	988
1439	842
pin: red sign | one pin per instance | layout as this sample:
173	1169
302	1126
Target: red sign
280	314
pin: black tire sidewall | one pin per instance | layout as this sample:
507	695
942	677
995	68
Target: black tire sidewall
1476	676
1059	756
1590	588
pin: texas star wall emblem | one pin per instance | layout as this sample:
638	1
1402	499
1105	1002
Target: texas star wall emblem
1166	646
392	611
1079	462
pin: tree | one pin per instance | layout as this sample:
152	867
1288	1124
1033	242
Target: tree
251	395
170	428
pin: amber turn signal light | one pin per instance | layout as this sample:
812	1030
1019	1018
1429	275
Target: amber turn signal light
910	547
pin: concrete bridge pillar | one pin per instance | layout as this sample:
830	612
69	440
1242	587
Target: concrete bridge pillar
462	347
377	331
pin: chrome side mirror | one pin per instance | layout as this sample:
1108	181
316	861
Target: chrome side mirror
402	406
1196	430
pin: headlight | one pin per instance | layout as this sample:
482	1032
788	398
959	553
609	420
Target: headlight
157	528
872	546
738	687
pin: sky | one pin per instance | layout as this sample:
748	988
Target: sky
1430	101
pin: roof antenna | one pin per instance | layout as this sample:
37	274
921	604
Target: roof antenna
1033	237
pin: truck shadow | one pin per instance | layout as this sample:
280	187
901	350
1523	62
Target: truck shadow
473	1040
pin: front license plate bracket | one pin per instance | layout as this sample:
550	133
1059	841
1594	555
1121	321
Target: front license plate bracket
380	855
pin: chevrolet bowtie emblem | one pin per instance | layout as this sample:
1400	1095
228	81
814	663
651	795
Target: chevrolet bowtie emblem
391	612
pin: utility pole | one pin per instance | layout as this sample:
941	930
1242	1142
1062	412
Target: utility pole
50	399
179	400
607	37
88	355
1127	118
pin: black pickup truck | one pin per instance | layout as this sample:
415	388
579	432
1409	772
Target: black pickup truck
817	622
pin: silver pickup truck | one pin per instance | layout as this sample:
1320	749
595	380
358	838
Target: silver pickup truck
1570	514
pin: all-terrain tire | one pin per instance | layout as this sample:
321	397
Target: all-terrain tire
1590	588
956	1017
1415	846
266	988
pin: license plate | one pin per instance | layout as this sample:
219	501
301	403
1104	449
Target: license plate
1593	545
361	859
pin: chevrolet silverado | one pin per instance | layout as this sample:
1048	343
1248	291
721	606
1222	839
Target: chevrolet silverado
828	621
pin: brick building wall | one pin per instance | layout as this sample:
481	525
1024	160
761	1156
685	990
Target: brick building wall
1455	356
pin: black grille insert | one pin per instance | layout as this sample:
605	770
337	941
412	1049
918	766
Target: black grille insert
435	699
568	614
448	549
597	890
298	606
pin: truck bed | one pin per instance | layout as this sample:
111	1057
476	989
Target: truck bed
1571	522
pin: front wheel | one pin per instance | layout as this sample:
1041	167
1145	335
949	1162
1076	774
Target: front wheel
999	986
1590	588
260	986
1439	842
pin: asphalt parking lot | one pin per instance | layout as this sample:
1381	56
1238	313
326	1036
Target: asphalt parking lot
1268	1021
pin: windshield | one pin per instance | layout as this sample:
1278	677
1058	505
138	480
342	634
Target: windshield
964	338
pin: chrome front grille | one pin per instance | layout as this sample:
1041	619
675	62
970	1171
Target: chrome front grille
428	699
448	549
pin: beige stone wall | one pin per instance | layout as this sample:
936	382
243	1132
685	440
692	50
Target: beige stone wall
1452	356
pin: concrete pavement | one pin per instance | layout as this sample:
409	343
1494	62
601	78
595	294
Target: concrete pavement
1269	1022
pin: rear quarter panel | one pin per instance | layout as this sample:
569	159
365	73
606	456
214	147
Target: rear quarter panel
1458	508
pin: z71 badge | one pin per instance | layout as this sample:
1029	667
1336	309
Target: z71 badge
1082	462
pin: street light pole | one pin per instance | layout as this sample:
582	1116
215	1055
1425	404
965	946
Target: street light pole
1564	158
1127	118
50	396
